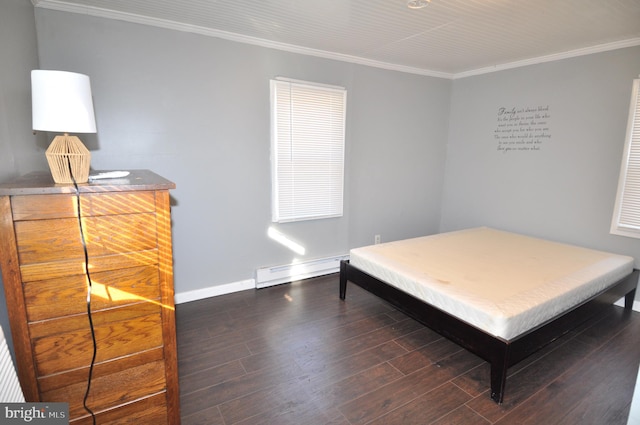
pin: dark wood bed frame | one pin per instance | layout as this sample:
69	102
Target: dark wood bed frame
500	353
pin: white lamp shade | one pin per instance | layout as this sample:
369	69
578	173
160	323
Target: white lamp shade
62	102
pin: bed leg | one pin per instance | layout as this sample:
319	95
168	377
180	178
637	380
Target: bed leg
628	299
498	381
343	279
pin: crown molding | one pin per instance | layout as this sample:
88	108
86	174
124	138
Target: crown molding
63	6
551	58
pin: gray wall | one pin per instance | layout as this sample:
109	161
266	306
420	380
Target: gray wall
20	151
196	110
397	157
566	190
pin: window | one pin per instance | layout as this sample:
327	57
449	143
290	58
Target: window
307	150
626	215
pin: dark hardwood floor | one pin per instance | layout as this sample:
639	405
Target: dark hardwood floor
297	354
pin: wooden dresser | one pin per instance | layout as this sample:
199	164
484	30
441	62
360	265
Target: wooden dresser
127	229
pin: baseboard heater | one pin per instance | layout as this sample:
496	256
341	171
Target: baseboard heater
270	276
10	390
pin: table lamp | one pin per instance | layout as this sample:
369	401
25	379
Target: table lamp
62	103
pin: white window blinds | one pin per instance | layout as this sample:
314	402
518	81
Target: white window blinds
626	215
307	150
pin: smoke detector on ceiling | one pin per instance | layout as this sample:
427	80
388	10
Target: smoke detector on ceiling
417	4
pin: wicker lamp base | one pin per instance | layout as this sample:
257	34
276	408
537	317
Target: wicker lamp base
68	159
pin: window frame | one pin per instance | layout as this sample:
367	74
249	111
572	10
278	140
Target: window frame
626	214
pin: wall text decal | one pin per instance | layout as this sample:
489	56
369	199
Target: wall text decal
522	128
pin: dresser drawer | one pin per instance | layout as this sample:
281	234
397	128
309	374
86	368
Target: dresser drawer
43	241
116	389
43	207
51	298
64	344
148	410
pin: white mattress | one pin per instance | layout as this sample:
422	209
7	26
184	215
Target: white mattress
500	282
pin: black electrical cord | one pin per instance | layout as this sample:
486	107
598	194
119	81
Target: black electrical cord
89	287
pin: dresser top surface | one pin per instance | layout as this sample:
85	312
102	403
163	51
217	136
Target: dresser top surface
41	183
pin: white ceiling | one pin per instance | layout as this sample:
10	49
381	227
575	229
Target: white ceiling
448	38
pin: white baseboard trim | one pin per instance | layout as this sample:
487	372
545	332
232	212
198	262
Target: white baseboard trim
636	304
214	291
270	276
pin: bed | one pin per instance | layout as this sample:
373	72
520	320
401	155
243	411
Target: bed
501	295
